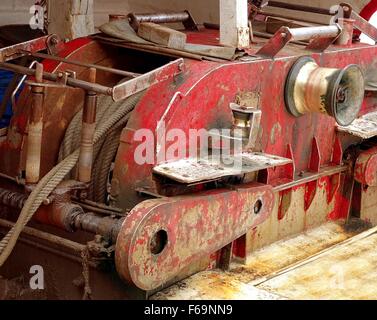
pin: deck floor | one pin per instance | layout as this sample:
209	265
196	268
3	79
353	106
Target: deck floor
332	261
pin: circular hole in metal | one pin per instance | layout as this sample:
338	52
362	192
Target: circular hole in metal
258	206
159	242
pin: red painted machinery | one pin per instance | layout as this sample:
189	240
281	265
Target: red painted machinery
301	102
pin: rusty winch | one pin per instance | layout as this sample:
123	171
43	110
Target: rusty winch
153	154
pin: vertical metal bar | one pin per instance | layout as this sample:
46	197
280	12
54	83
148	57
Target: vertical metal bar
33	158
87	134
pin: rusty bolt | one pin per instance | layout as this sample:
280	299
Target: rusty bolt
83	195
54	40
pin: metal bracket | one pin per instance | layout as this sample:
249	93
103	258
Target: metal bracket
50	42
144	81
166	236
364	26
320	38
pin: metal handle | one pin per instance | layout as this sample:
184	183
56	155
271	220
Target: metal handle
13	96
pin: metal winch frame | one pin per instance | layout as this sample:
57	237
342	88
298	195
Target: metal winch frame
202	217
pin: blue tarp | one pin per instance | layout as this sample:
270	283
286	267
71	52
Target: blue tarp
5	78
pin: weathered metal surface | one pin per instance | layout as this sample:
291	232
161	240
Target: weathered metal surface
364	26
161	237
238	282
209	109
85	165
366	168
198	97
368	204
18	50
136	85
12	199
168	17
364	127
34	141
59	112
336	92
195	170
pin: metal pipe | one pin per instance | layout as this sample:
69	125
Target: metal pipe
87	133
278	15
58	241
55	77
306	33
19	85
164	17
325	172
269	36
67	216
86	65
34	140
298	7
12	199
17	180
105	226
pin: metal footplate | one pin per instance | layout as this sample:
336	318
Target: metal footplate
189	171
364	127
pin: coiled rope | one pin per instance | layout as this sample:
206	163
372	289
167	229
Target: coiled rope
49	182
104	151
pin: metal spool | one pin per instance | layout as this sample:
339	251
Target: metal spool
338	93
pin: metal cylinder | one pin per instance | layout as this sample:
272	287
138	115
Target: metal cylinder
12	199
34	142
165	17
307	33
87	134
65	215
336	92
298	7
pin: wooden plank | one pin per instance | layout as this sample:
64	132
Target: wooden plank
162	35
234	23
71	19
346	271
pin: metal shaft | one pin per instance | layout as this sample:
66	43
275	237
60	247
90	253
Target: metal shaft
54	77
34	141
66	216
87	134
86	65
164	17
297	7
